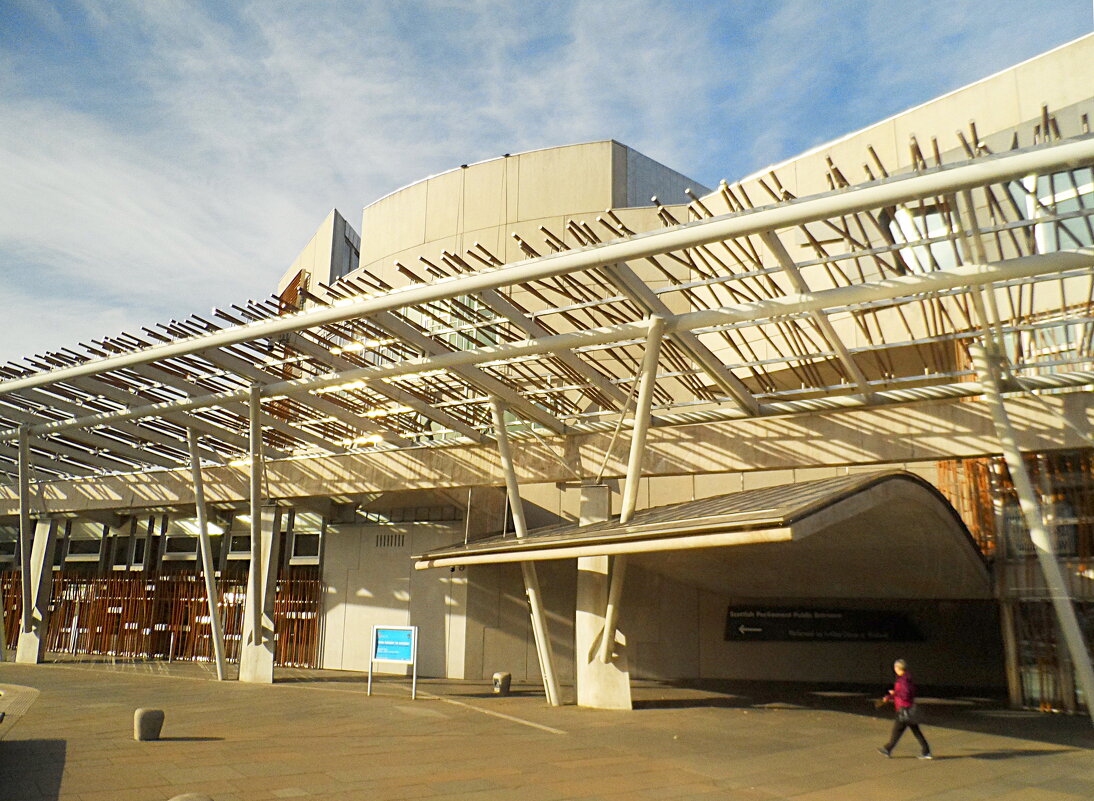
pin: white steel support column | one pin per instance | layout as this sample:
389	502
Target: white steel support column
207	565
38	581
25	531
643	407
987	367
254	430
528	569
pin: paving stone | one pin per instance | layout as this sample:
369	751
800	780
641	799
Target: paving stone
323	738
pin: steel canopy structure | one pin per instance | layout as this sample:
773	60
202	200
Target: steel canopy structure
955	280
876	316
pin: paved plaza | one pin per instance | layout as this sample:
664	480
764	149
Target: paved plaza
67	734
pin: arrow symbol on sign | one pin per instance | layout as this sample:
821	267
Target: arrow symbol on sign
746	629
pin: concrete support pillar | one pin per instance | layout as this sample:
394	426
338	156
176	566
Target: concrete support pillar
600	685
256	656
37	583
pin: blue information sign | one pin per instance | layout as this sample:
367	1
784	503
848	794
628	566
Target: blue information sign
393	645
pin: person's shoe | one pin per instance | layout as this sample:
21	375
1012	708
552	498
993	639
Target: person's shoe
928	755
885	752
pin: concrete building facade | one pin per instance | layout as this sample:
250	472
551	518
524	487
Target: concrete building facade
394	483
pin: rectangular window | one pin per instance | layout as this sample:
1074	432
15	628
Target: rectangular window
1068	195
305	546
914	224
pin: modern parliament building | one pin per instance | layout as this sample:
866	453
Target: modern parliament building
582	419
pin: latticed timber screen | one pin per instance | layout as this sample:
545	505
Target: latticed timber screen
11	598
966	483
136	616
1065	481
982	491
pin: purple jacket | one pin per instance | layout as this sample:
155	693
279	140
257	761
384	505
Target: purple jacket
903	692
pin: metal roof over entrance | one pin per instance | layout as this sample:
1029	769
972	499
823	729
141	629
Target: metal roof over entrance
765	515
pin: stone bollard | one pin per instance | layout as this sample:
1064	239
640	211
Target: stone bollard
501	683
147	724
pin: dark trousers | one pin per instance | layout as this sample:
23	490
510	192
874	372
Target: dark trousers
898	729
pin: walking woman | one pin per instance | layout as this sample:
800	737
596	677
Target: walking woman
907	713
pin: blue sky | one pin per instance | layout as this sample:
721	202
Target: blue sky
160	158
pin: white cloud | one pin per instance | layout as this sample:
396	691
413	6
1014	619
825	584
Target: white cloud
183	157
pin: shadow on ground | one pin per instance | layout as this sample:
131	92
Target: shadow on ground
31	768
949	707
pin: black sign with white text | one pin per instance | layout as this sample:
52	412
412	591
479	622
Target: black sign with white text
800	624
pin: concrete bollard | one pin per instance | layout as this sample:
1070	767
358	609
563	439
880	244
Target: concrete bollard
147	724
501	683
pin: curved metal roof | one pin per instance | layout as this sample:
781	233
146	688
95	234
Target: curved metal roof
763	515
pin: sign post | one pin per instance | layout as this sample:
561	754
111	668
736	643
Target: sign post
397	644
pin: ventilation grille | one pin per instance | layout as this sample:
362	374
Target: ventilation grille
390	540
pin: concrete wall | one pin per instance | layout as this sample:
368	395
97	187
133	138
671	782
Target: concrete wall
371	581
488	201
331	252
499	630
676	630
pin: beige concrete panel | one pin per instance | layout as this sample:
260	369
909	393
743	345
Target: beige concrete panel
505	651
473	631
560	180
341	551
495	239
558	586
430	607
679	614
925	470
661	618
639	614
542	504
316	255
814	473
512	190
393	223
456	628
377	594
992	104
444	205
1059	78
850	154
570	501
646	178
709	485
670	489
620	170
485	189
431	250
766	478
528	230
